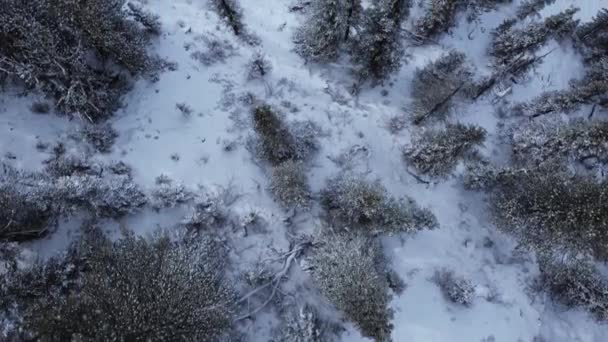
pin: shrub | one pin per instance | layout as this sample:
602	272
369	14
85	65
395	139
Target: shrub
129	289
456	289
438	152
378	49
24	215
551	211
101	136
258	67
351	200
216	51
576	284
435	85
70	51
289	186
276	143
347	269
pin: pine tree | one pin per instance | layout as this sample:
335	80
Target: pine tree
531	7
594	35
378	50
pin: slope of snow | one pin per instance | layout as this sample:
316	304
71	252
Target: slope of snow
151	129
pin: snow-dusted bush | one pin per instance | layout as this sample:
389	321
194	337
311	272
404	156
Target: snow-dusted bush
576	284
326	29
258	67
306	135
437	152
510	42
378	49
551	211
591	89
211	209
130	289
352	201
289	185
531	7
166	194
73	52
545	143
216	50
303	324
230	11
593	35
456	289
276	143
101	136
113	196
435	85
348	268
25	213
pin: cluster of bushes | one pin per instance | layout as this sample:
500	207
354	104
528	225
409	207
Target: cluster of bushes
129	289
31	203
79	54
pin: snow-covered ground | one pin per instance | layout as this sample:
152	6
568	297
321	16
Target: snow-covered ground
151	129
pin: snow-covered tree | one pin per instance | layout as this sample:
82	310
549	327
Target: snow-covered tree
378	49
543	143
437	152
130	289
591	89
435	85
230	11
511	42
594	35
349	272
326	29
77	53
552	211
439	17
351	201
532	7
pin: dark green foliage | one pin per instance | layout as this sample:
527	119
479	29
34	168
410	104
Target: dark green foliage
70	50
576	284
437	84
128	290
378	49
351	201
276	143
551	211
349	271
437	152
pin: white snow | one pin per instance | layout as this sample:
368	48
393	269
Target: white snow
151	129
